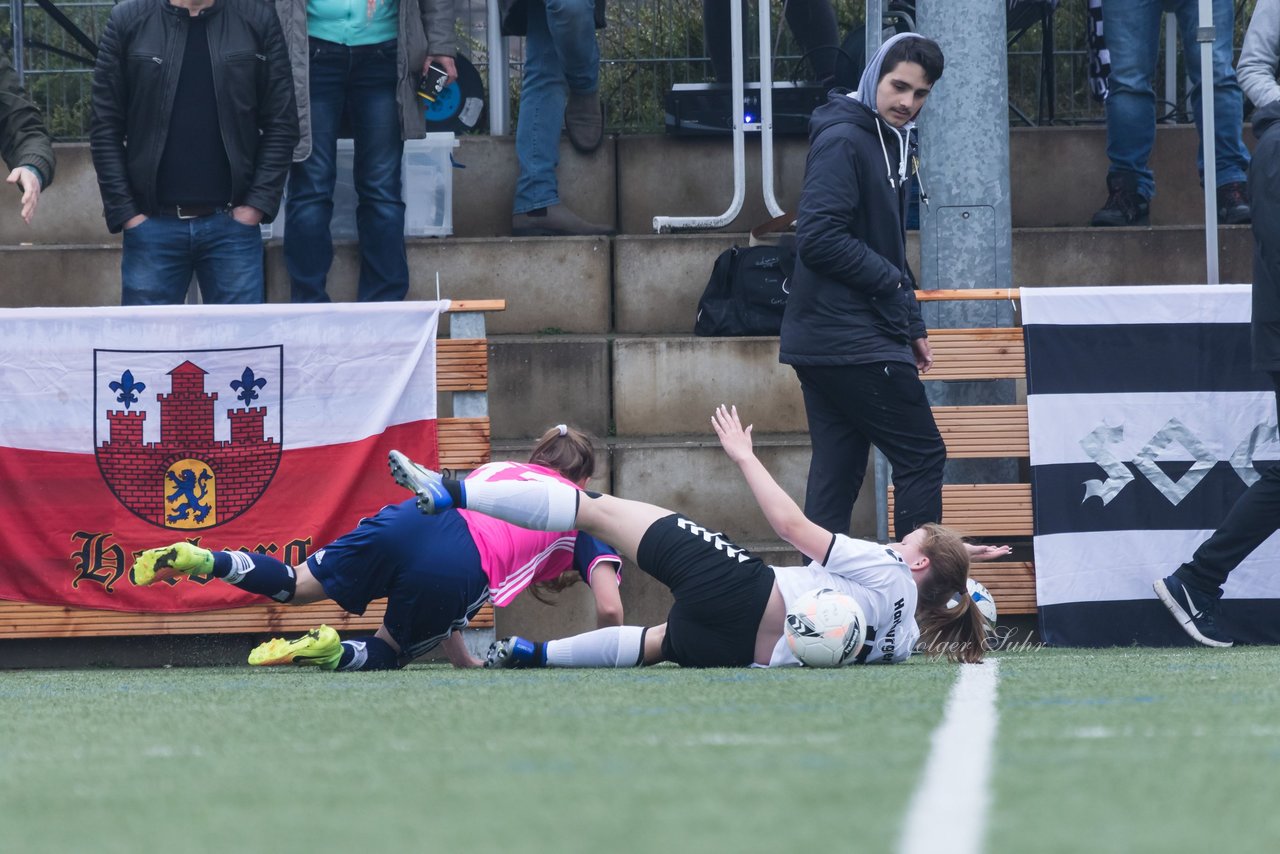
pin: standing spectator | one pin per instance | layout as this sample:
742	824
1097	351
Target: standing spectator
356	65
193	122
1192	592
852	329
561	87
24	143
1132	32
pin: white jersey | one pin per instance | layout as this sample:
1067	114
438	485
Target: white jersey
877	578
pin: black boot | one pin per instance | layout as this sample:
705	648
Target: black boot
1125	205
1233	204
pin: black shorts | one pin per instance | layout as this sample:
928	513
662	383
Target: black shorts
721	592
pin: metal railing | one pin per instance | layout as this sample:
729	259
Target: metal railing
649	46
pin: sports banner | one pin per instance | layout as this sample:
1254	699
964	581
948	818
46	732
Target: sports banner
239	427
1147	423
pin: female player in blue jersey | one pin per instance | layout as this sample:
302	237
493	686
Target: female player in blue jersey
435	571
730	607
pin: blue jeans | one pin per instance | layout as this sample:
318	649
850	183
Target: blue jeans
162	252
1132	31
561	54
360	83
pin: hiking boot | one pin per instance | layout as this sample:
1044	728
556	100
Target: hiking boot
1233	204
584	120
554	221
509	653
1195	611
317	648
155	565
1125	205
421	481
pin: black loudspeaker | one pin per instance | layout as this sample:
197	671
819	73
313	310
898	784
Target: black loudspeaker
706	108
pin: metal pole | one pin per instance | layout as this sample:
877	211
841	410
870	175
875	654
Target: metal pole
16	22
671	223
875	26
1205	35
499	73
766	113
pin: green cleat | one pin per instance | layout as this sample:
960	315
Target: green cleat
178	559
317	648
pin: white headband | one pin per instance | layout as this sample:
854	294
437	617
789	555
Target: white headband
564	431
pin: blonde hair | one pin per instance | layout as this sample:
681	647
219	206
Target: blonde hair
958	632
572	453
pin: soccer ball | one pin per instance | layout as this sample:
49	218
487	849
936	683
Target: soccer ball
982	598
825	628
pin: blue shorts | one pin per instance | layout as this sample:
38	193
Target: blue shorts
427	567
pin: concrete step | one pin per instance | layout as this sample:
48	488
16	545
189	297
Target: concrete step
636	284
1057	178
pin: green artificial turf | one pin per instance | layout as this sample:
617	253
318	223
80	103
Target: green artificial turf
432	759
1096	751
1138	750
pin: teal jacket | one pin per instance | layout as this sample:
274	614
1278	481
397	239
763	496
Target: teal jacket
23	139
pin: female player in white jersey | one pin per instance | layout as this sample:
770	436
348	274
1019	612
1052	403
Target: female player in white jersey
729	606
435	571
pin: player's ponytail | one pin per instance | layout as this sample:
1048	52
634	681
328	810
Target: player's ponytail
567	450
572	453
959	631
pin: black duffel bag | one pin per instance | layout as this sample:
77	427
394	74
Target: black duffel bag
747	291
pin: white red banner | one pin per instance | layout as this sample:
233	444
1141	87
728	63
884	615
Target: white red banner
243	427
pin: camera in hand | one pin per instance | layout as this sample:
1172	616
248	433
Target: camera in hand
432	82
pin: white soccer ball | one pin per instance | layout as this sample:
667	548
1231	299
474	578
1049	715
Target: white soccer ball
825	628
982	598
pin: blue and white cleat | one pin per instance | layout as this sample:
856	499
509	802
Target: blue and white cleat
428	485
512	652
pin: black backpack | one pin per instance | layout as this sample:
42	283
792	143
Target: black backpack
747	292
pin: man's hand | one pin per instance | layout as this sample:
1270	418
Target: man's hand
134	221
246	215
30	185
924	354
441	61
733	438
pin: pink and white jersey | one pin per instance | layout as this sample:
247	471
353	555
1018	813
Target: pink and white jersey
514	558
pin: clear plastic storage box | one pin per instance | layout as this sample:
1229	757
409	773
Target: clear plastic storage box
426	176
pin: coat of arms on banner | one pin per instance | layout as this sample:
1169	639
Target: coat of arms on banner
188	439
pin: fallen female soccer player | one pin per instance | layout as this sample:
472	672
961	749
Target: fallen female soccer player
729	606
435	571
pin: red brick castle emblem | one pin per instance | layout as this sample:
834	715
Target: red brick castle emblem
188	479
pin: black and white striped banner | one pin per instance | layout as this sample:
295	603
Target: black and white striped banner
1147	423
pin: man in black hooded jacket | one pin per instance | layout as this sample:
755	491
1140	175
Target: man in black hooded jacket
852	328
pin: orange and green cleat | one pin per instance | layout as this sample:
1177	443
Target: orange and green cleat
319	647
178	559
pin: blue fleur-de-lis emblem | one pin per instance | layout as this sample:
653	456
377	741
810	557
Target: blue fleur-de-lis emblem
247	386
127	389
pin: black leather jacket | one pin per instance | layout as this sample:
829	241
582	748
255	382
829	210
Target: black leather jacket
134	84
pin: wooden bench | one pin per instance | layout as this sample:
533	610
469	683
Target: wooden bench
999	512
462	371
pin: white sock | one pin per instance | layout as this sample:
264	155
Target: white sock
541	505
616	646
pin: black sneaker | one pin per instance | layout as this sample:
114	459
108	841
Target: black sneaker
1196	612
1125	205
1233	204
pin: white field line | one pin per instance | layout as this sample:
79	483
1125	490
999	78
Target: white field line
949	809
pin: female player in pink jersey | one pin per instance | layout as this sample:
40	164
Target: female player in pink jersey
435	571
729	606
